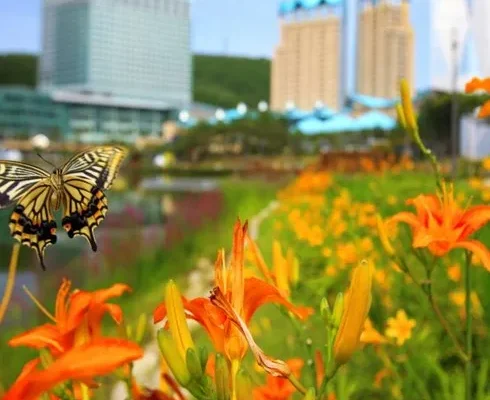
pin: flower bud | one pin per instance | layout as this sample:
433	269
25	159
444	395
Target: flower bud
203	357
193	363
141	328
383	236
173	358
355	310
338	309
177	321
325	310
407	105
222	378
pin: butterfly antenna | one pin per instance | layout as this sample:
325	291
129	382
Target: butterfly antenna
46	161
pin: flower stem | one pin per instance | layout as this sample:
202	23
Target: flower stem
460	351
469	345
297	384
9	287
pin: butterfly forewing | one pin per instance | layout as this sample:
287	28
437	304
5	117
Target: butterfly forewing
32	222
98	165
16	178
85	176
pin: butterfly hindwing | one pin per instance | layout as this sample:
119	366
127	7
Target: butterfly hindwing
85	177
98	166
32	222
16	179
85	207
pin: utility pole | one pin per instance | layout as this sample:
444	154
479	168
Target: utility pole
454	106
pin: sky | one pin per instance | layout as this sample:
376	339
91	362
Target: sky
232	27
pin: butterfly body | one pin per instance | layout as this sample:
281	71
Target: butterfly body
77	188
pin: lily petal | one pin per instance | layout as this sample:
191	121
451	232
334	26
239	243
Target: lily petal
46	335
258	293
98	358
478	249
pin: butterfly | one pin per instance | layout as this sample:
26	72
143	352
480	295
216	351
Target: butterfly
78	186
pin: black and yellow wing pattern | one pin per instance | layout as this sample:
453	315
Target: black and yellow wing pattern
31	222
85	177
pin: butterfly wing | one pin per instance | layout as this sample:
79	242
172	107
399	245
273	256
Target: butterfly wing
98	165
16	179
85	177
32	222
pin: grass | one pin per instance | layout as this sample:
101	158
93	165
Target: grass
154	269
425	365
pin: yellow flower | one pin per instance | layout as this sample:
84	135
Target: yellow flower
459	299
356	307
454	273
327	252
486	164
370	335
400	327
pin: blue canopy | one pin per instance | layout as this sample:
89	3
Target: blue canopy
375	120
289	6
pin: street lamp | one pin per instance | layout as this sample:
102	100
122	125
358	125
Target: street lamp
220	114
263	106
241	108
40	141
184	116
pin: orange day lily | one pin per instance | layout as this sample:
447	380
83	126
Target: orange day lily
99	357
480	84
441	225
76	320
244	295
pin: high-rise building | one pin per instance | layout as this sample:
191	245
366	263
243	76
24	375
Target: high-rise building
119	48
305	67
385	48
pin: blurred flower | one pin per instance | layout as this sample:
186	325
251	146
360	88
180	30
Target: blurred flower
441	225
454	273
400	327
356	307
82	363
480	84
279	388
380	376
370	335
459	299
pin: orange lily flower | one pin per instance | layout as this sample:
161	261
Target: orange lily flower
245	296
480	84
82	363
441	225
77	319
279	388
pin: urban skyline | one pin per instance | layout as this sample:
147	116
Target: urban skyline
218	29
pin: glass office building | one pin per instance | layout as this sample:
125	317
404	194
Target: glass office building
118	66
131	48
25	113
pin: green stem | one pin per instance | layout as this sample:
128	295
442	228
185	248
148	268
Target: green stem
429	155
326	379
459	348
297	384
469	345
